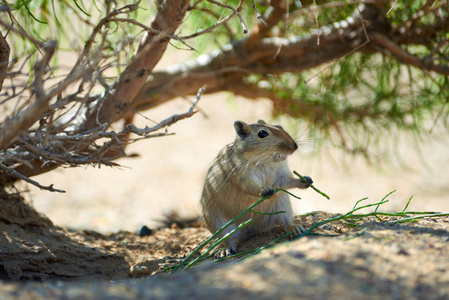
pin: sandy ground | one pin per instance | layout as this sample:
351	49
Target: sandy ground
168	174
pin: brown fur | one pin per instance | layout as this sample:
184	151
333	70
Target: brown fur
251	167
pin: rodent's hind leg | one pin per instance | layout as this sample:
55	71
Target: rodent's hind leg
297	231
229	246
226	251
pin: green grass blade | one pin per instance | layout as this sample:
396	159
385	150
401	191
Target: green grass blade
312	186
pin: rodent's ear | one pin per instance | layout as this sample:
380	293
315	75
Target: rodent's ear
261	122
279	126
242	129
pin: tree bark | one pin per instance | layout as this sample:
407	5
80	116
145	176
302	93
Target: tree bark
12	128
4	58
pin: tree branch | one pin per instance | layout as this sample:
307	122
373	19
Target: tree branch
64	137
169	16
391	48
4	58
18	175
131	128
222	69
236	60
12	128
35	160
275	14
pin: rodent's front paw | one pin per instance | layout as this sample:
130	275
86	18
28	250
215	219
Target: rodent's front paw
308	179
266	191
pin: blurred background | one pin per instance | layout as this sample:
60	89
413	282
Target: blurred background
169	173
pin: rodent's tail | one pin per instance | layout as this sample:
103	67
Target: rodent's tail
173	219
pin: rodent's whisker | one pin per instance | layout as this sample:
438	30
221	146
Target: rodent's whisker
311	144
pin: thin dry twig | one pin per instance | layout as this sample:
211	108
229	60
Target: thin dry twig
93	153
11	129
391	8
235	11
64	143
14	173
131	128
91	41
220	22
20	31
259	16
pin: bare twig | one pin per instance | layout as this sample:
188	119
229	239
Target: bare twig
218	17
220	22
14	173
198	96
363	22
4	58
40	69
81	148
235	11
131	128
11	129
259	16
21	32
116	104
88	45
391	8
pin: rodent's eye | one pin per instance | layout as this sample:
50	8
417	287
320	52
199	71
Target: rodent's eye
262	134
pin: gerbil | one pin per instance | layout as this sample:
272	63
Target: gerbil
243	172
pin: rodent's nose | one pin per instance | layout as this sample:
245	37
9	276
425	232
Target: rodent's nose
289	146
295	146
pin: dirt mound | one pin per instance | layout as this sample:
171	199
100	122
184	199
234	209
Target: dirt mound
32	248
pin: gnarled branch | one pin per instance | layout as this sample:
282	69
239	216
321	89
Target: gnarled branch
169	16
4	58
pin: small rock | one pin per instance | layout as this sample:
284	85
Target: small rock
399	250
138	271
144	231
325	227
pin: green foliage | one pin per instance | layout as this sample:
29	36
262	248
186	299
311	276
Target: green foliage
404	10
359	99
70	23
367	95
43	20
